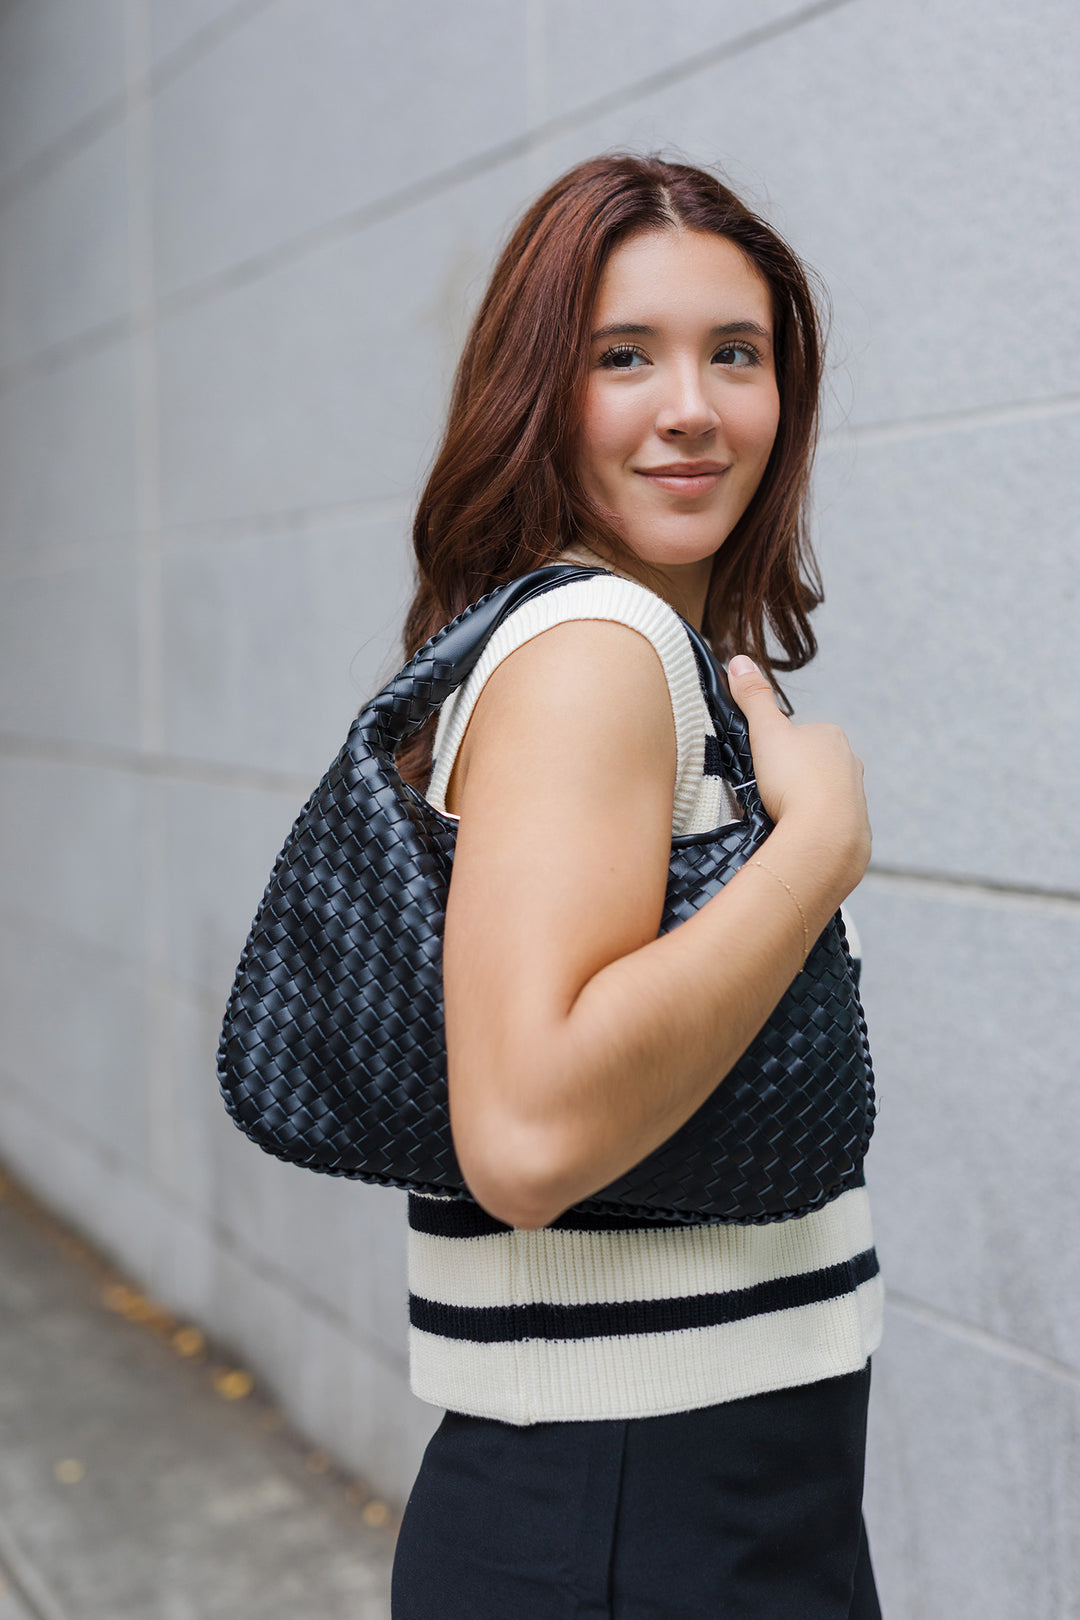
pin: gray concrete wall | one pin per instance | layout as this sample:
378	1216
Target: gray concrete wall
238	244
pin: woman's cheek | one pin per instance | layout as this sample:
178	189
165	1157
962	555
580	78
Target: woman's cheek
764	421
600	427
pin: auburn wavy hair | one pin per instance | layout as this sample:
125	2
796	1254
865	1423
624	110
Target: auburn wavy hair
504	495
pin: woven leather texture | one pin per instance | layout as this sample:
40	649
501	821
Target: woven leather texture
332	1051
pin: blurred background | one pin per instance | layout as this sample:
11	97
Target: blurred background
239	247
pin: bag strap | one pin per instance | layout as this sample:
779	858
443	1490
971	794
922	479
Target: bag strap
732	734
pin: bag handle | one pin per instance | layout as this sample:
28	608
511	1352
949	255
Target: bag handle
444	662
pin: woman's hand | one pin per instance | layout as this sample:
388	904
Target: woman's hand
810	780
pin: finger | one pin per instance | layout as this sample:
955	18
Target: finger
752	691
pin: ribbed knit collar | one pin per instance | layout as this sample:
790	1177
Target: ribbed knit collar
579	552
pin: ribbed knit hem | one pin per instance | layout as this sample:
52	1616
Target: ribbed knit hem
568	1324
647	1375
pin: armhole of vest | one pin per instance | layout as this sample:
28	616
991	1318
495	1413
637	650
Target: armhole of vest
609	598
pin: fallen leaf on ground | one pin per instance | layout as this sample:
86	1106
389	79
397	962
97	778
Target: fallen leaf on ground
232	1384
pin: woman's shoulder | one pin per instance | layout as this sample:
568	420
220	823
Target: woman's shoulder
609	597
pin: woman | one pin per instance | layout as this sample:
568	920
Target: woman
638	394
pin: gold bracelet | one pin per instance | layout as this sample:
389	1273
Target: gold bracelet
798	906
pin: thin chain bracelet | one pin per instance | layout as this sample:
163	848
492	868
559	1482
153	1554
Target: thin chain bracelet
798	905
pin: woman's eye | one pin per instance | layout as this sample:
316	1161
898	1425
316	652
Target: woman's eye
737	355
623	358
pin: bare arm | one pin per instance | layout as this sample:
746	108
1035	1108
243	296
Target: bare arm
578	1040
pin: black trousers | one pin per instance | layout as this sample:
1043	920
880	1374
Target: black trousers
751	1510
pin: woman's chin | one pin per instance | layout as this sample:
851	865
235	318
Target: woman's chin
660	550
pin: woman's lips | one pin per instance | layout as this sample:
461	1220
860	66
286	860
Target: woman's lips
689	481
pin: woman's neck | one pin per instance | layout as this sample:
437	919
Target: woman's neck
683	586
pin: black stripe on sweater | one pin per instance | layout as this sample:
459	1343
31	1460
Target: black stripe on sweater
501	1324
461	1218
713	766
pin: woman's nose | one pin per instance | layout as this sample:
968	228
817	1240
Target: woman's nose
686	408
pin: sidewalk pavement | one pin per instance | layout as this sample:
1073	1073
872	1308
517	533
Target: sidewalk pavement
142	1477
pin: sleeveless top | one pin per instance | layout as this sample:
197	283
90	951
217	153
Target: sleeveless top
611	1316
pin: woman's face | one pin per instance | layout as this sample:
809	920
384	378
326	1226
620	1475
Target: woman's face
681	406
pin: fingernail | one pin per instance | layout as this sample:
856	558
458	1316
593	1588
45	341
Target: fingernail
741	665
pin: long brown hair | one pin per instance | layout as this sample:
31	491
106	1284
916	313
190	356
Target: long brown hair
504	495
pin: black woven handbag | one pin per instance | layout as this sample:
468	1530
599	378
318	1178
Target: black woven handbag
333	1054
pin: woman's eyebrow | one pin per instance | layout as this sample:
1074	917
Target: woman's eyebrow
624	329
736	328
726	329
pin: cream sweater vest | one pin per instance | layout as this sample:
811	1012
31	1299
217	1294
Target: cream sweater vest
607	1317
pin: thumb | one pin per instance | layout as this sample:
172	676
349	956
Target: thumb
751	690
